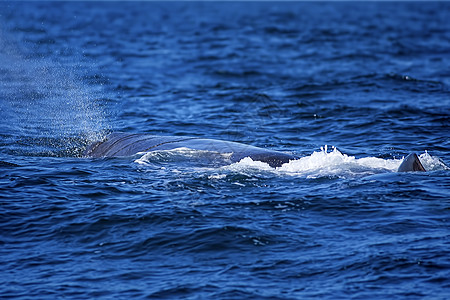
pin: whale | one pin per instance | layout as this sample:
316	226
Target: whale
119	144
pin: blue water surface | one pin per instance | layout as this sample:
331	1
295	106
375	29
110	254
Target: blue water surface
371	79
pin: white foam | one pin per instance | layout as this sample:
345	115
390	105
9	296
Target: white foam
249	164
323	163
432	163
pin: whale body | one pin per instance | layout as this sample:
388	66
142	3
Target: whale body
128	144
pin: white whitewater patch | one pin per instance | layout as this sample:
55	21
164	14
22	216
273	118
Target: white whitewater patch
432	163
324	164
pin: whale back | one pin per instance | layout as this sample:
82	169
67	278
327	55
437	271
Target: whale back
125	144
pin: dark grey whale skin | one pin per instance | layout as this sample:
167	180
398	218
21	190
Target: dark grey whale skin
411	163
127	144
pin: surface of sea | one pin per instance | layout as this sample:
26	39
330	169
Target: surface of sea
349	87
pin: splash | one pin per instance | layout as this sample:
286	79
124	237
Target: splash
432	163
324	164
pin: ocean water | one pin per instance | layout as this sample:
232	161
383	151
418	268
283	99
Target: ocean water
349	87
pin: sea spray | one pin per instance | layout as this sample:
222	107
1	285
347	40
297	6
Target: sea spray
46	106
